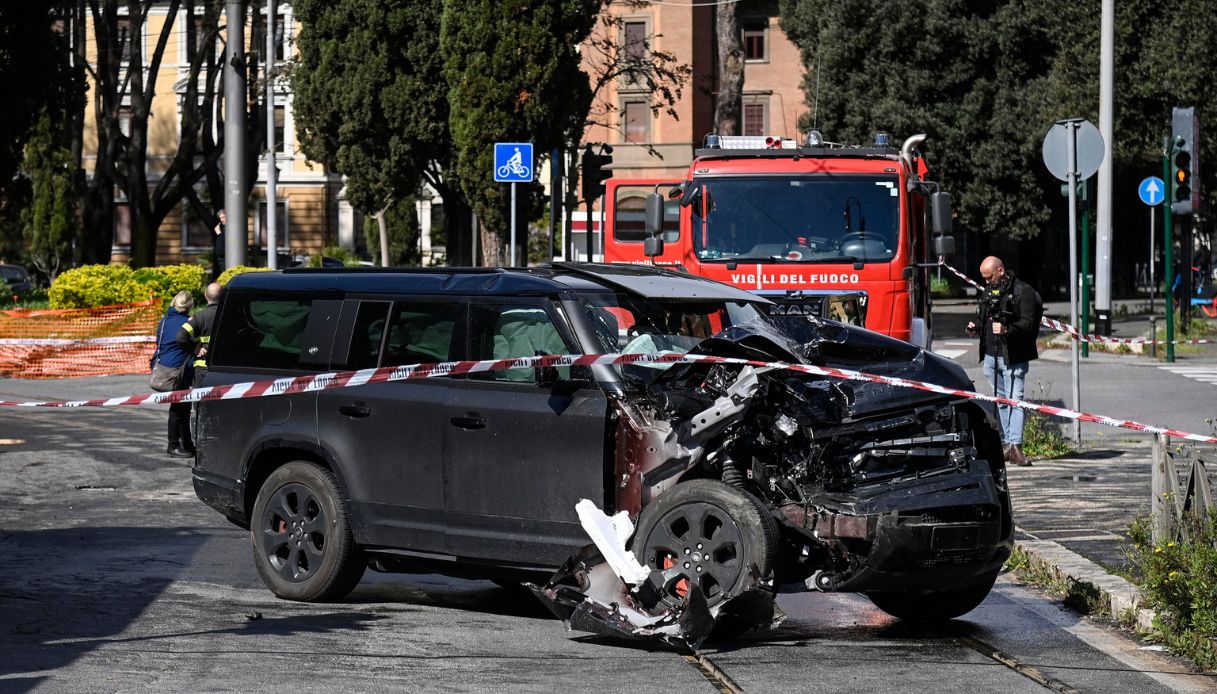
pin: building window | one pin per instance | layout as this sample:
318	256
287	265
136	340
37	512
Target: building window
635	40
196	36
280	119
123	37
124	120
754	119
636	116
756	43
195	232
122	224
280	225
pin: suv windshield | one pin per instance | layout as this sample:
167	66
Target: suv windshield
631	324
818	218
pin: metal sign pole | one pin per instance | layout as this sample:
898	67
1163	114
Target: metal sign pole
512	260
1153	288
272	194
1072	127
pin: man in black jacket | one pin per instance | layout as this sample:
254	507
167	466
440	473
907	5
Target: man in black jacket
195	334
1008	325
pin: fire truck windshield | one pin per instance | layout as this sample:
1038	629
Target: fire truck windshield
816	218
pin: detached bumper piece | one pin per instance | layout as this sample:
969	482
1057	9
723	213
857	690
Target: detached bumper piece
604	590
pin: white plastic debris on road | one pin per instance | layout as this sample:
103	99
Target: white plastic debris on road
609	534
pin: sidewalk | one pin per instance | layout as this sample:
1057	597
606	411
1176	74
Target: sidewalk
1072	515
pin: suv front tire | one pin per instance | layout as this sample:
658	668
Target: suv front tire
301	535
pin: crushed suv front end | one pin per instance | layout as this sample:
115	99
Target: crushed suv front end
893	492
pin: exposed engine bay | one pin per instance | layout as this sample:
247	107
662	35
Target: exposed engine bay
750	480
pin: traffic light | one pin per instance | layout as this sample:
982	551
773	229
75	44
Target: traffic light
595	171
1185	161
1082	188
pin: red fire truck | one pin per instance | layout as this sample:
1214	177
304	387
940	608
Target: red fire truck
813	228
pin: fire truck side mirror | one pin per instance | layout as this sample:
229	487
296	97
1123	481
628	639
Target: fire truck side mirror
654	214
653	244
944	244
940	213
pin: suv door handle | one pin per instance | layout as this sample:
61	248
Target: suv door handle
469	422
355	410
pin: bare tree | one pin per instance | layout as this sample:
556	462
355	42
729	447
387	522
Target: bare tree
123	91
728	106
656	74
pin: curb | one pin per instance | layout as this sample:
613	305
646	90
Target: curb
1120	597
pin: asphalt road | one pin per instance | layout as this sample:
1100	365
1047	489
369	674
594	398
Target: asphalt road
1182	395
117	579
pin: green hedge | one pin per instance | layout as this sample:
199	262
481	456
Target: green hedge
104	285
237	270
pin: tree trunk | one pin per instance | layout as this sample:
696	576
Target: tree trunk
458	225
729	105
384	236
491	247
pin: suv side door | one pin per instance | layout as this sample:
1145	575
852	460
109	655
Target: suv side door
257	336
387	437
519	455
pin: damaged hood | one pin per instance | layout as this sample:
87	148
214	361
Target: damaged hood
837	345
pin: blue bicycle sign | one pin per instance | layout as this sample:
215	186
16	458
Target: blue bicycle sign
513	162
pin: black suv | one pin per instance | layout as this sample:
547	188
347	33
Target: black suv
778	478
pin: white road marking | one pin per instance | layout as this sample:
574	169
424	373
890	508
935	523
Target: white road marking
950	353
1204	374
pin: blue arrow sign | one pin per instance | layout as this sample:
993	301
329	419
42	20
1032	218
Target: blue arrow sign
1152	191
513	162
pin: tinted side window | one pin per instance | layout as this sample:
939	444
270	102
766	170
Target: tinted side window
367	335
514	329
261	332
421	332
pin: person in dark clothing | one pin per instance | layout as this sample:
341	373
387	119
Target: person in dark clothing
1007	325
217	247
194	336
169	353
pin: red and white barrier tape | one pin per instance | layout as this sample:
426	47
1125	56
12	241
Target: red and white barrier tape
55	342
350	379
1073	331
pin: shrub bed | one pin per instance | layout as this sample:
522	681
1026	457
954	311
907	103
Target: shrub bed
105	285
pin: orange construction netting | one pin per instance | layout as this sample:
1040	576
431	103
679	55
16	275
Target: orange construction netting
63	343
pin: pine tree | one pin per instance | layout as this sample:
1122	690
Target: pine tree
513	72
51	225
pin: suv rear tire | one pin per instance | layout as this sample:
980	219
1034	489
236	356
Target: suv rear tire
708	533
301	535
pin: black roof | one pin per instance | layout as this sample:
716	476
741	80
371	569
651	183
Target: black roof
544	280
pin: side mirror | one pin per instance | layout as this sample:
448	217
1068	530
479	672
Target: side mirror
944	244
654	214
547	376
688	193
940	213
550	377
653	244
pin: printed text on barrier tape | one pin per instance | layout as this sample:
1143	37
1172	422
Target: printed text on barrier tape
63	342
1074	332
384	374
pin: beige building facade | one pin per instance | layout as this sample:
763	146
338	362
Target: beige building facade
311	211
308	198
658	145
